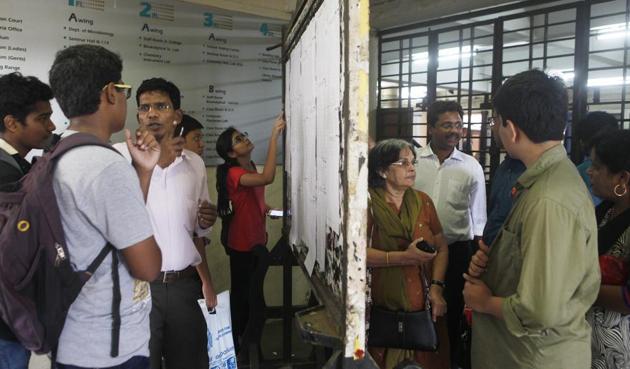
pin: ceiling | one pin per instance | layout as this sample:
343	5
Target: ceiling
383	13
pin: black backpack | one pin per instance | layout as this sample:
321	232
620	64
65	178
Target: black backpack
37	281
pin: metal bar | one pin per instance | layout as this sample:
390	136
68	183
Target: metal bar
545	33
497	80
580	91
432	68
483	12
625	65
301	22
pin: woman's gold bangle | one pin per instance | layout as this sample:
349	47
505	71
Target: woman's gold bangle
387	257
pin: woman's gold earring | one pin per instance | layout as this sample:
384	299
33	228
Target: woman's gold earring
625	190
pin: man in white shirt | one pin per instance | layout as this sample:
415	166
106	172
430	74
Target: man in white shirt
179	208
456	183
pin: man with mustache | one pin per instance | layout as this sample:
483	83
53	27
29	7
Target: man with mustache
456	183
179	206
24	125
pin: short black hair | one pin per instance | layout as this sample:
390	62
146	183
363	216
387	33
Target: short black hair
594	123
78	75
381	156
189	124
160	84
440	107
535	102
612	149
19	94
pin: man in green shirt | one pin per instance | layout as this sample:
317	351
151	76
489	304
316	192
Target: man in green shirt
531	289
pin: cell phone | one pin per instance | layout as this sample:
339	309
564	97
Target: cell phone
425	246
276	213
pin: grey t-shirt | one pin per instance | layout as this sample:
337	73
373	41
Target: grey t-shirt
100	200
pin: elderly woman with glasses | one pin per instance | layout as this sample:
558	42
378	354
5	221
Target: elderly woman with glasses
610	315
242	208
399	219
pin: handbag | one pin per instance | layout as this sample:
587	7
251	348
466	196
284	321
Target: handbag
409	330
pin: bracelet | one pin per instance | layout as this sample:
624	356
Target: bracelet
438	283
387	257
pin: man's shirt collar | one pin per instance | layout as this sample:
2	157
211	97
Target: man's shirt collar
426	151
4	145
546	160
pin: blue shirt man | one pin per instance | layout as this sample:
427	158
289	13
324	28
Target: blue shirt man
500	200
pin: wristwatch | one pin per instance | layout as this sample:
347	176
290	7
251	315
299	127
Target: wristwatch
438	282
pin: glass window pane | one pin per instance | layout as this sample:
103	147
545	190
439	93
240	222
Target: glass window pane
555	32
419	78
420	59
539	20
482	72
564	63
608	8
485	30
447	76
606	59
390	69
510	69
390	57
516	53
538	50
420	41
390	45
561	47
564	15
451	36
516	24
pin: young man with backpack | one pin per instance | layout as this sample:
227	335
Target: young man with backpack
101	200
24	125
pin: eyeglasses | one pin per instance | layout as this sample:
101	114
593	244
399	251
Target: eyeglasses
449	126
240	138
121	86
492	121
405	163
159	107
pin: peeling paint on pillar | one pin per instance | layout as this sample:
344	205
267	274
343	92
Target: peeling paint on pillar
355	32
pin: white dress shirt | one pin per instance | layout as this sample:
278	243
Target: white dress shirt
174	196
458	190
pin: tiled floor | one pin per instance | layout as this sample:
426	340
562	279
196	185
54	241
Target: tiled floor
271	347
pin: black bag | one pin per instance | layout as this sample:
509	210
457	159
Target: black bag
37	280
409	330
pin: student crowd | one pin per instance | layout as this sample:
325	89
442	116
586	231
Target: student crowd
544	271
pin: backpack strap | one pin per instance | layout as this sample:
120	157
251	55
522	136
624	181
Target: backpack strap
99	259
115	291
76	140
115	306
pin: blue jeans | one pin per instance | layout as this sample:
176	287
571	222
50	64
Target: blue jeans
136	362
13	355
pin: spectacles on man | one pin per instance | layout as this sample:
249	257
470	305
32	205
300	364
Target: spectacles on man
449	126
159	107
121	86
241	137
405	163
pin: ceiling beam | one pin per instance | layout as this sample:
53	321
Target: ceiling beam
275	9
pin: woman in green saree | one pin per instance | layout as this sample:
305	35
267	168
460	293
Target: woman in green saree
399	218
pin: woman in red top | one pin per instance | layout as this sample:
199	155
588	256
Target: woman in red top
242	208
